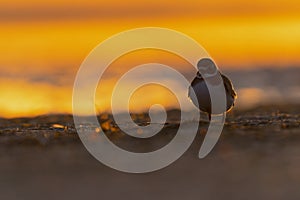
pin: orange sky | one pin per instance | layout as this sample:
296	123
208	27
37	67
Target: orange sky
44	42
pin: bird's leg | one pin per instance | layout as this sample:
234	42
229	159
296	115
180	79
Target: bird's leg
209	116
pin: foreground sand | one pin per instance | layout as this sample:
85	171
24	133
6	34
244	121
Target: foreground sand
257	157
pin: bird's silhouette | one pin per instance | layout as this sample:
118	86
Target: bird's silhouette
209	74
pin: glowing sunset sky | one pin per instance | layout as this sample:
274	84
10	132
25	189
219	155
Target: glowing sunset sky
44	42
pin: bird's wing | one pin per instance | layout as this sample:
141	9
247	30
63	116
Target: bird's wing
228	86
193	83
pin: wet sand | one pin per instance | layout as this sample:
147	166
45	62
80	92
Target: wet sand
257	157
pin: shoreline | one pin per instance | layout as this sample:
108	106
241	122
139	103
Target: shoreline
257	154
55	129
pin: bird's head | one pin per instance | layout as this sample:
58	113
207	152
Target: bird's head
207	67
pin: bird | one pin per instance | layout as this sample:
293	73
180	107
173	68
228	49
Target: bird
208	73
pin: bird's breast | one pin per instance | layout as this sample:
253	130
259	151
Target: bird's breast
202	99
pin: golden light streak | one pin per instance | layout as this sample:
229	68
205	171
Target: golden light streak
48	40
19	98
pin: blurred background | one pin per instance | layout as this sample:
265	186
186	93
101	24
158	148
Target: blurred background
43	43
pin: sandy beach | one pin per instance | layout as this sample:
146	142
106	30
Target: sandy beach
63	61
257	157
